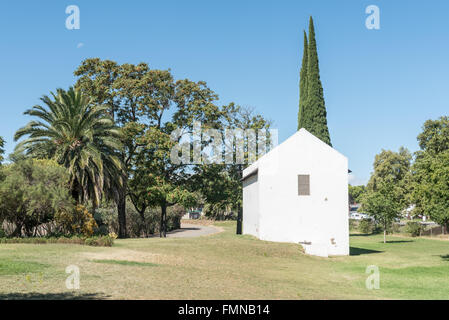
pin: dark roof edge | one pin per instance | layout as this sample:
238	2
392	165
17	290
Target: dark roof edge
252	173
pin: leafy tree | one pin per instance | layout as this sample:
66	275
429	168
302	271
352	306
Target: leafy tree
356	193
163	183
313	115
435	136
139	97
96	78
80	136
191	101
431	186
32	193
228	179
171	183
430	172
149	105
386	192
392	168
220	189
382	205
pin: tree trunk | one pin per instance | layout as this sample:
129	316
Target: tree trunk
142	228
163	225
94	206
385	232
239	219
18	231
121	209
76	193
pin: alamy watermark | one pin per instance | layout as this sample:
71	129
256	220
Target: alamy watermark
212	146
373	280
73	280
373	20
73	20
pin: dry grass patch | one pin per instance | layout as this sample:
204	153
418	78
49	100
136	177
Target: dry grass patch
126	263
201	222
228	266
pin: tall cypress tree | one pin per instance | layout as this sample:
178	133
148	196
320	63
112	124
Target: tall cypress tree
303	83
313	116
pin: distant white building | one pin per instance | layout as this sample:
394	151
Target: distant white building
298	192
194	213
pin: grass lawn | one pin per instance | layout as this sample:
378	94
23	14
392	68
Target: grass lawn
225	266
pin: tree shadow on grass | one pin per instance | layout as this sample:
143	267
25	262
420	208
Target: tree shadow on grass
183	229
52	296
360	234
157	235
353	251
398	241
445	257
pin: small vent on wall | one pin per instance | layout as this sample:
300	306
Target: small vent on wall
303	185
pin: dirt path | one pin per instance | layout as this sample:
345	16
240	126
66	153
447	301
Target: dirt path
192	230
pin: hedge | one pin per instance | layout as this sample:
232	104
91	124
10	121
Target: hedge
97	241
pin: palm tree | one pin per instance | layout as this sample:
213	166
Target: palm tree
80	136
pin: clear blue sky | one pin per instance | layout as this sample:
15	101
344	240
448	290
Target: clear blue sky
379	85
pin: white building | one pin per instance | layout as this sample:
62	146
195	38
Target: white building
298	192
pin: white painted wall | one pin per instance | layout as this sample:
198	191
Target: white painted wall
251	206
321	218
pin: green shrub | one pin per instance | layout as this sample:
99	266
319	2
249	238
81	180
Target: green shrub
55	234
32	192
366	226
106	217
413	228
2	233
76	221
352	224
102	230
106	241
101	241
90	242
174	215
395	228
392	228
